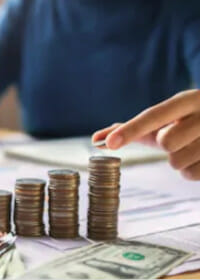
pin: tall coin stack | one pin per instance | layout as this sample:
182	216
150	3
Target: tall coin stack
63	203
29	207
104	183
5	210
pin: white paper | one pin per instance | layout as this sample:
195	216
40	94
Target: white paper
34	253
76	152
134	198
62	244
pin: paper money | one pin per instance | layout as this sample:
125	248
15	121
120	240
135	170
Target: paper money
7	241
11	265
121	260
16	266
4	262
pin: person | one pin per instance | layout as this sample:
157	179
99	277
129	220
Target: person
173	124
80	65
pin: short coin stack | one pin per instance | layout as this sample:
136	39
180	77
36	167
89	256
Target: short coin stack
63	203
104	182
29	207
5	210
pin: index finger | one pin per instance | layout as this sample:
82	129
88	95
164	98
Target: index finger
177	107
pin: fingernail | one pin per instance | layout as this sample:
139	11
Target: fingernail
116	142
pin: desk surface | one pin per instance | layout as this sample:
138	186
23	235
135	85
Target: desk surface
195	275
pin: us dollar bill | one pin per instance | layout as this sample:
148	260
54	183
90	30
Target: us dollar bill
11	264
4	263
6	243
121	260
16	265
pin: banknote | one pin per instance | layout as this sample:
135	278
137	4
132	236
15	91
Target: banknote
15	266
119	260
7	241
11	264
4	263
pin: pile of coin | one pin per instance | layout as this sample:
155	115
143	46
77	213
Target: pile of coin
63	203
29	207
104	183
5	211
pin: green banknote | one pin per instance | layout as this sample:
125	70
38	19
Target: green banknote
121	260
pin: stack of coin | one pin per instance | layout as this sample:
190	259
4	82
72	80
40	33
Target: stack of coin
5	210
63	203
29	207
104	183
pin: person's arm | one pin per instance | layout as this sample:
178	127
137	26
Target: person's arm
12	16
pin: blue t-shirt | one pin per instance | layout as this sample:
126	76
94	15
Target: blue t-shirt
80	65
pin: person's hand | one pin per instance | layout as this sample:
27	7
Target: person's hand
173	125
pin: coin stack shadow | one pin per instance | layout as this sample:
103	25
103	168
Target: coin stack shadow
5	211
29	207
104	183
63	203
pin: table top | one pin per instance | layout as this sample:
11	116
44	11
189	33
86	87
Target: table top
194	275
188	275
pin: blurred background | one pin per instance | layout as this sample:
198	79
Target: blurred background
9	109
